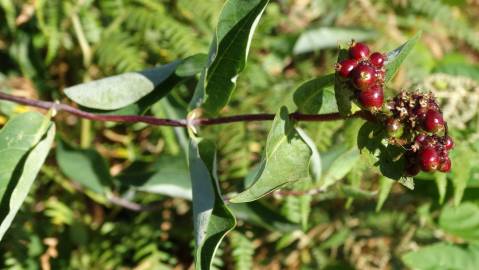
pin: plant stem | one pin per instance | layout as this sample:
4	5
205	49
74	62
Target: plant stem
178	122
85	136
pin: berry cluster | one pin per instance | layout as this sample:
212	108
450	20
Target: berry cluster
416	118
365	72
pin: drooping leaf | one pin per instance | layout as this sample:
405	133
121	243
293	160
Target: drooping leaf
228	53
316	96
329	37
119	91
443	256
461	221
84	166
22	179
286	160
18	137
397	56
212	218
168	176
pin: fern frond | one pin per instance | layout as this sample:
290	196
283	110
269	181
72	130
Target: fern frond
117	52
243	251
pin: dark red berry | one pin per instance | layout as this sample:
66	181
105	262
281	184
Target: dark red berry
429	159
412	169
433	121
345	67
445	165
372	98
363	76
421	138
394	127
448	143
359	51
377	59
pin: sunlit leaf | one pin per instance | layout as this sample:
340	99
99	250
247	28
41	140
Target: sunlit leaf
119	91
286	160
396	57
228	53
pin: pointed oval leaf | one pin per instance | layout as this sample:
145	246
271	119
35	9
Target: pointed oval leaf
119	91
25	173
286	160
212	218
228	54
396	57
85	166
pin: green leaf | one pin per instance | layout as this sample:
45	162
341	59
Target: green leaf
337	163
441	183
343	91
389	158
228	54
397	56
168	176
329	37
461	221
459	69
316	96
192	65
443	256
22	179
460	175
212	218
315	168
286	160
119	91
17	137
84	166
261	214
385	185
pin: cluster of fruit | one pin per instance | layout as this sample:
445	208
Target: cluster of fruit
365	72
419	114
413	119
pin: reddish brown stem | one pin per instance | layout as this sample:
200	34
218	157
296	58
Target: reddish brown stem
175	122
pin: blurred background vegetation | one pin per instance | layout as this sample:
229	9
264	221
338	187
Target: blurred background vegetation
47	45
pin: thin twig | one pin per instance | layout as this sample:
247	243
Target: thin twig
133	206
177	122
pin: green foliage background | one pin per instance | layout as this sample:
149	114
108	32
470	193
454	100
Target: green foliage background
46	46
